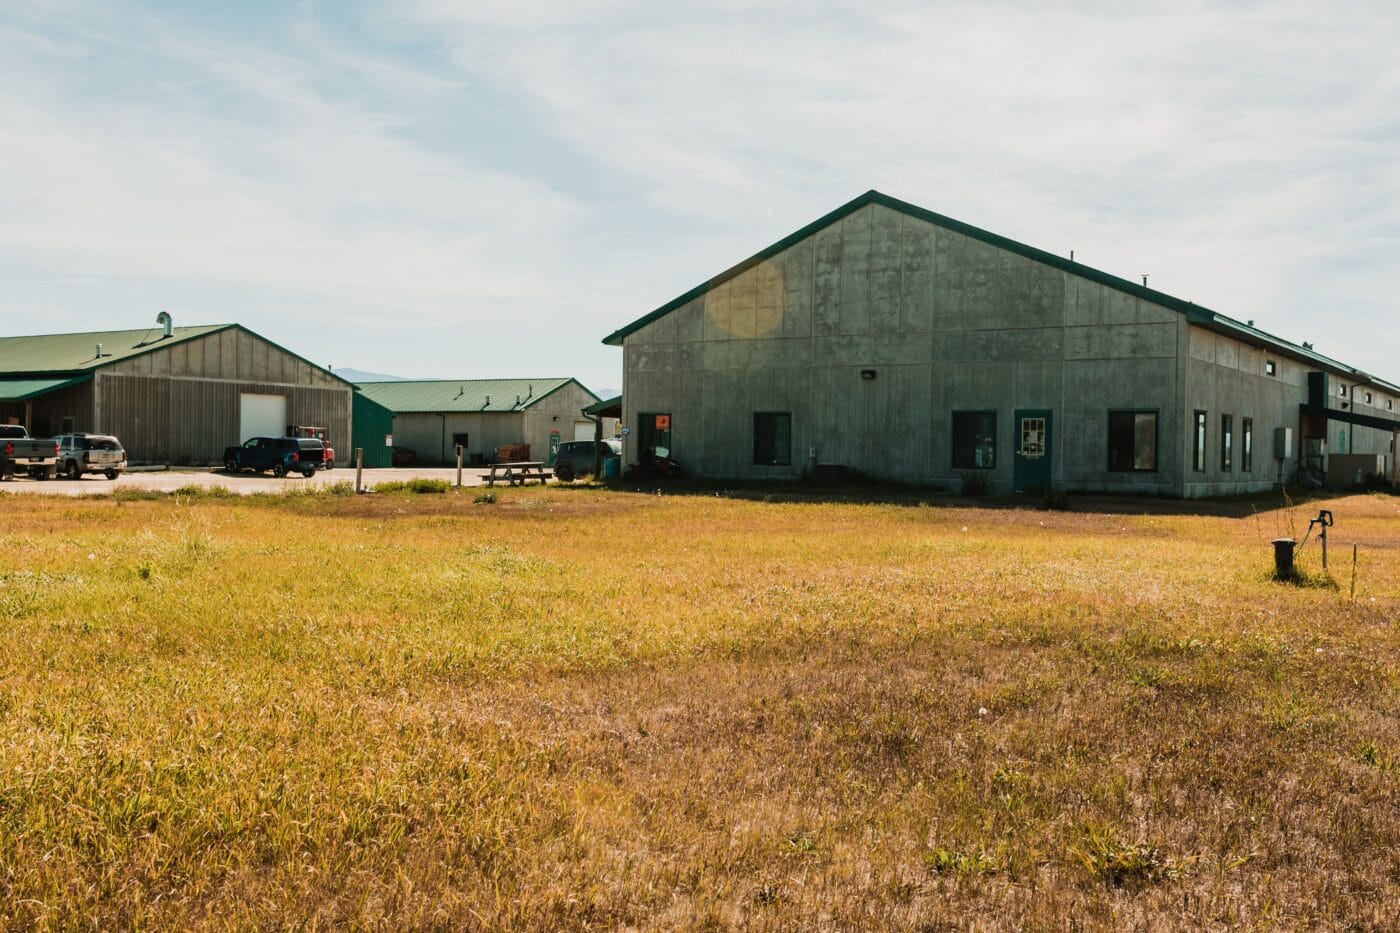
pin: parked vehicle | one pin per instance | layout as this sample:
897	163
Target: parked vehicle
403	456
320	434
21	453
90	453
281	455
577	458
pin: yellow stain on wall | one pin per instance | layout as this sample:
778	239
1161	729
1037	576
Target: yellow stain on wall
748	306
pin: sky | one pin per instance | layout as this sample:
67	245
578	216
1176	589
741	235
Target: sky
473	189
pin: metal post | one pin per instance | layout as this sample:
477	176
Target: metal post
359	467
459	466
1353	573
1283	558
1324	547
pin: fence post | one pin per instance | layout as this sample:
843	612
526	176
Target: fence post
359	467
459	466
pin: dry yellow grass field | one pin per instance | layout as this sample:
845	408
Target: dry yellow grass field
573	708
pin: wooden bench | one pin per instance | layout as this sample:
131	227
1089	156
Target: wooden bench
519	472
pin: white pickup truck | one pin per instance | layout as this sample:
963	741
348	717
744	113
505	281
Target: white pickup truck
21	453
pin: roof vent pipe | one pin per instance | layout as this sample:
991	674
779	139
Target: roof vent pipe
97	354
166	321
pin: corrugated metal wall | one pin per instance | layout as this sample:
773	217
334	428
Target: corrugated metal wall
181	405
370	422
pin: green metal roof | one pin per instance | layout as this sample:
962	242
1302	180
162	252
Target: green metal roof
463	395
19	390
57	353
1195	313
599	408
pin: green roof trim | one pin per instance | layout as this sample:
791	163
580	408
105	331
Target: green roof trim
1196	314
464	395
599	407
21	390
58	354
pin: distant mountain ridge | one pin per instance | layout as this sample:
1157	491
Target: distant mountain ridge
360	375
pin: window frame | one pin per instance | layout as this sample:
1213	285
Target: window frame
1247	445
1270	368
786	455
1199	438
1156	439
1227	443
953	437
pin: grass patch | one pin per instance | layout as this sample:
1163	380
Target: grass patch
419	485
688	711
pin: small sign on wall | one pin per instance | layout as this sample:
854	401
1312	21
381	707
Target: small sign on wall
663	422
388	440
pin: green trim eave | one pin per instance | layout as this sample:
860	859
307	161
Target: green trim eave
164	344
1351	417
1194	313
35	387
540	398
601	406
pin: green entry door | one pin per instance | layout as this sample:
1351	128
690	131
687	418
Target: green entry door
1032	445
553	446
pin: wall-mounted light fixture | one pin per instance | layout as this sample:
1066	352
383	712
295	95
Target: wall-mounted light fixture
867	374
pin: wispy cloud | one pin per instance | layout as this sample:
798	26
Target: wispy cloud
1238	153
447	187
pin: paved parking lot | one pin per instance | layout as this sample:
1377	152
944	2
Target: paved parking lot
244	483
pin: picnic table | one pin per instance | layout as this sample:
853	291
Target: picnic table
521	471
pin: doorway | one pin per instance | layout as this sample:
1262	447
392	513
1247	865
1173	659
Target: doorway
654	431
1033	446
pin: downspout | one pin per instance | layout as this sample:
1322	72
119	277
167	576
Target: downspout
442	443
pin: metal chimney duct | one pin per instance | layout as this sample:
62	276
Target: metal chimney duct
166	321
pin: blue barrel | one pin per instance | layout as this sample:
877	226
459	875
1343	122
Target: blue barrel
610	469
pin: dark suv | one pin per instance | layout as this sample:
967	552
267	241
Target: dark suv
90	453
281	455
576	458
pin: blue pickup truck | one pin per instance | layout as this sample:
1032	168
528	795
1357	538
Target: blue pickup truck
281	455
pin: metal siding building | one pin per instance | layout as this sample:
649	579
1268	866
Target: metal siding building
904	344
432	416
179	398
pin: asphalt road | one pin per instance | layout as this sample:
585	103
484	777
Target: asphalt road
243	483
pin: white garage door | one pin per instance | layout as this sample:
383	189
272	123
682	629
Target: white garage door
583	430
261	416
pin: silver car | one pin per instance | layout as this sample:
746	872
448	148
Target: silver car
90	453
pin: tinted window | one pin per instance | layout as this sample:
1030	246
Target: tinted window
772	438
1132	441
974	440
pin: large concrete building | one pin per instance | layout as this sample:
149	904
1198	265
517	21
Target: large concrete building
176	395
901	343
432	417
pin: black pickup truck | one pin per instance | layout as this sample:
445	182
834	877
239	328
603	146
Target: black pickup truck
21	453
281	455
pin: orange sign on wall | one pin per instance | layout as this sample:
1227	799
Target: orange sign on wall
663	422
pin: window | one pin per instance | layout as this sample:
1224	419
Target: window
1247	445
1270	368
1132	441
654	433
1342	391
772	438
1198	443
1227	442
1032	438
1368	398
974	440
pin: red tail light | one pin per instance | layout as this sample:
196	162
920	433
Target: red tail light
55	448
9	448
296	458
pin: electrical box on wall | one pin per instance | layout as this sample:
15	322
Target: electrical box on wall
1283	443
